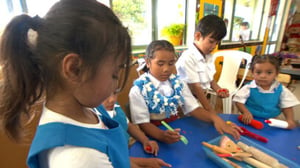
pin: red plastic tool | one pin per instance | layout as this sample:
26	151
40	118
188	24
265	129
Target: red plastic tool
254	123
148	148
253	135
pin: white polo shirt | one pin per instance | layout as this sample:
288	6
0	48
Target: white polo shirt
192	67
139	109
287	98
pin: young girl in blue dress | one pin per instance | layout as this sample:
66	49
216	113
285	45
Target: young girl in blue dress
264	96
74	57
156	95
112	109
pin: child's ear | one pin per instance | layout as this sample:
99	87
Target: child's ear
148	63
71	66
197	36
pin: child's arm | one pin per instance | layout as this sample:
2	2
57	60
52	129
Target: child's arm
136	162
287	101
289	116
221	92
136	133
219	123
161	135
197	91
139	135
247	116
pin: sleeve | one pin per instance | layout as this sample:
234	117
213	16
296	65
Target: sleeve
186	69
287	98
190	102
138	109
242	95
77	157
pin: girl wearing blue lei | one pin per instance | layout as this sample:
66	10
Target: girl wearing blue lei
157	94
158	103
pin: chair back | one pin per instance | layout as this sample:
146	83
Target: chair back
232	60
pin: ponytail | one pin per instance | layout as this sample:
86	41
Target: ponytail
22	83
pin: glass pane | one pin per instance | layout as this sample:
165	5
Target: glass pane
105	2
246	21
136	15
270	49
227	17
265	19
277	25
170	13
8	9
40	7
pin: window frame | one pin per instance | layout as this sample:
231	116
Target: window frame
226	44
154	25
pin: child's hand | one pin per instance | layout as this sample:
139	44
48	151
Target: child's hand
222	127
151	147
156	163
171	136
147	162
223	93
292	124
247	117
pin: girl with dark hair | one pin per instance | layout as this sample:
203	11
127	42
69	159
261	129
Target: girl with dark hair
74	57
158	94
264	96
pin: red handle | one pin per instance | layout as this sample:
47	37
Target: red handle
253	135
148	148
254	123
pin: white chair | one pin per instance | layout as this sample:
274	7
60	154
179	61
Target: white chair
232	60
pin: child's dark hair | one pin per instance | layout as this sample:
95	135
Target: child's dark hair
212	24
156	46
84	27
259	59
245	24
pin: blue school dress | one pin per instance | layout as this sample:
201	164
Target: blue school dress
265	105
57	134
120	117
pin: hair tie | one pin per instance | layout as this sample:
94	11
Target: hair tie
36	22
32	38
32	33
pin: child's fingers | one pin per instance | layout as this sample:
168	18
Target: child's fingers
223	92
177	130
151	147
220	130
247	119
155	148
172	136
163	163
235	133
172	133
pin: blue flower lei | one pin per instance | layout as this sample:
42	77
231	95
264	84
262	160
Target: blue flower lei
158	103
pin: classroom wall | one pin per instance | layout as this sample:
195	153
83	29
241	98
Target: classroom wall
12	154
123	95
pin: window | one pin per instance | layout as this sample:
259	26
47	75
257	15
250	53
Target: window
147	18
8	9
253	14
244	19
175	14
136	15
40	7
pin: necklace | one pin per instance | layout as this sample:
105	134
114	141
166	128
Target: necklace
156	102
